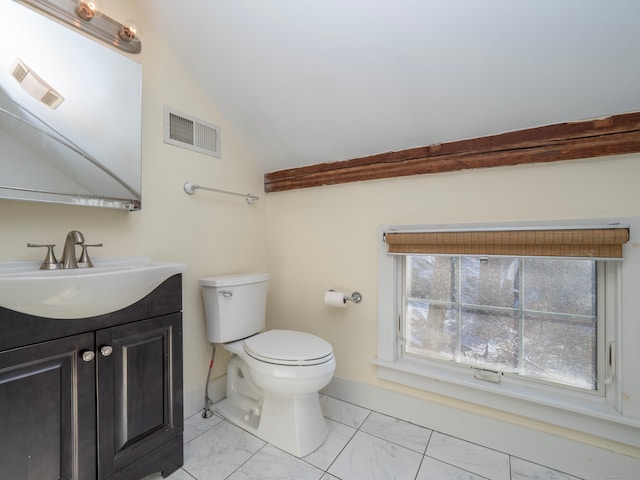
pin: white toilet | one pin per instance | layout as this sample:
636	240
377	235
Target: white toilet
273	378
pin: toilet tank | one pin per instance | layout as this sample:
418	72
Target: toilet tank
234	305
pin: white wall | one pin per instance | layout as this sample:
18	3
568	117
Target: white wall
325	238
209	232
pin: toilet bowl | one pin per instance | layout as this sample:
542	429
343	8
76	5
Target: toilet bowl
273	377
278	402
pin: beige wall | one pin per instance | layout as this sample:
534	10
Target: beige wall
209	232
326	237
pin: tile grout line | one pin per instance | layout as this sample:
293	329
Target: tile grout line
253	454
347	443
357	429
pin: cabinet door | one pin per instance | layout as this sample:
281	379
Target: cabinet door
140	396
47	411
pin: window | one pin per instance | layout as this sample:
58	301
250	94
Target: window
535	321
535	318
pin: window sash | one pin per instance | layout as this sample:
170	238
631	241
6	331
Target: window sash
577	243
522	313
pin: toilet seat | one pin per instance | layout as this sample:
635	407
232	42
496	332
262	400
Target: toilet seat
288	347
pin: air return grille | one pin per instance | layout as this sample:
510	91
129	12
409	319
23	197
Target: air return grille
189	132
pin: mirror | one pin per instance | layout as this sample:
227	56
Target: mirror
70	115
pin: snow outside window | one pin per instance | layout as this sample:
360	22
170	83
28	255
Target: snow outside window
534	318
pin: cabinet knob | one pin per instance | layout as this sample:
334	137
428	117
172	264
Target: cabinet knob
88	355
106	350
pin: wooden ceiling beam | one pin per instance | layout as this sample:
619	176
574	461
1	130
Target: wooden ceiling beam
614	135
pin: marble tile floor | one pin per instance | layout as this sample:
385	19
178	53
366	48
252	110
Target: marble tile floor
362	445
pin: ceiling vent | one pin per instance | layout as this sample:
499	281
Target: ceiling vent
34	85
189	132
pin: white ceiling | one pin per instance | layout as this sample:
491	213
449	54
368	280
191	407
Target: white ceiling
314	81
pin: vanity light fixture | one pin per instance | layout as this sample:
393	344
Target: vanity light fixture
87	17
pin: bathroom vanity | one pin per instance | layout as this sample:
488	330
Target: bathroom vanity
93	398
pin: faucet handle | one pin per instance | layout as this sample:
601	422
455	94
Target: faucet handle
50	262
85	261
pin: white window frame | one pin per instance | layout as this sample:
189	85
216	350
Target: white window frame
615	416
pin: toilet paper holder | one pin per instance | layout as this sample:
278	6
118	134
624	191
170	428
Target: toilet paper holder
356	297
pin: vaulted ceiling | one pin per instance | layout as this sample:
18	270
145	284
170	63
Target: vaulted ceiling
314	81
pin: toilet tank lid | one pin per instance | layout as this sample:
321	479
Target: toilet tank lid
234	279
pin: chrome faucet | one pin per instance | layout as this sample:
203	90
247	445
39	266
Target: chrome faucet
69	259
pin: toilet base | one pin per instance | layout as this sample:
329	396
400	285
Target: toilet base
292	423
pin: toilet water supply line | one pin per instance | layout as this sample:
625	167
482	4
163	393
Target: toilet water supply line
206	411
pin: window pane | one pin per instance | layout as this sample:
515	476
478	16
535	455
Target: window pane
431	330
430	277
490	281
561	350
535	317
489	339
560	286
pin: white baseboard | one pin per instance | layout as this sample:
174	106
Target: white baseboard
560	453
194	399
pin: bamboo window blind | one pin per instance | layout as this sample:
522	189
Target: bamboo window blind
586	242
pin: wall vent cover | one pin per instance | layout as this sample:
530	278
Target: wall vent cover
186	131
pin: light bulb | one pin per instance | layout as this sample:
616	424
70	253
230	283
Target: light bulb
87	10
130	30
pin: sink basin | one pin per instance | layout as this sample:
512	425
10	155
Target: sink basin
112	284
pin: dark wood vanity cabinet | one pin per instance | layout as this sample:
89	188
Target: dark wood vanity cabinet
97	398
138	413
47	411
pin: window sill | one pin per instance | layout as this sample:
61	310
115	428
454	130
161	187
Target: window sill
588	415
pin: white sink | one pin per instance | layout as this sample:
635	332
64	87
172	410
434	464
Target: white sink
112	284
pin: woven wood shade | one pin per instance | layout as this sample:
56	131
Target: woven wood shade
594	243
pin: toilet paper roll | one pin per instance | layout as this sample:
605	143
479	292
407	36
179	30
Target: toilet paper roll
335	299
